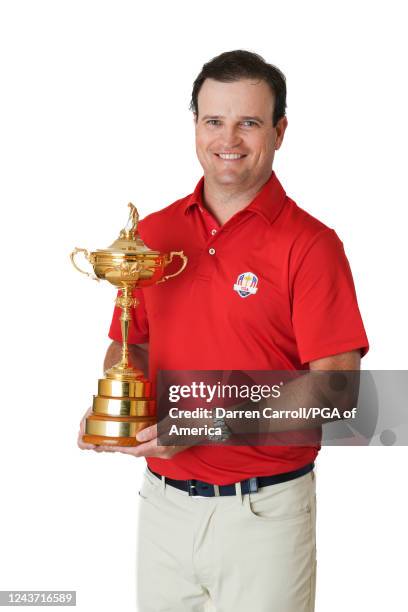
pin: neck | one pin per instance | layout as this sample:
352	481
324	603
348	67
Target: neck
224	201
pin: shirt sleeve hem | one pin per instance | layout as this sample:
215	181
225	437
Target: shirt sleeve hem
334	349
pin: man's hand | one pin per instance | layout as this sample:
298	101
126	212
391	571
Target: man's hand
82	445
148	448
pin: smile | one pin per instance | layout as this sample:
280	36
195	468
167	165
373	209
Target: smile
230	156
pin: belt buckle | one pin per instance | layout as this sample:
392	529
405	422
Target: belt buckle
191	487
195	490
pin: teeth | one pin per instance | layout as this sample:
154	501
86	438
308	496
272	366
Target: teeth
230	155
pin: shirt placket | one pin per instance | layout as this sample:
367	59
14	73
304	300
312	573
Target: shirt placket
213	230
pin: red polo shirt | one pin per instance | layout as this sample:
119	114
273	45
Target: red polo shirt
300	306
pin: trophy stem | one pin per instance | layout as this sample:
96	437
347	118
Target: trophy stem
123	370
124	326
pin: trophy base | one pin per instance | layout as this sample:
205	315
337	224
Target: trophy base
109	441
121	409
114	431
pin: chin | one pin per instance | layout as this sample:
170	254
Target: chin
229	179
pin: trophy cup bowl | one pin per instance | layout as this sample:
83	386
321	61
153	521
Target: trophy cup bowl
125	401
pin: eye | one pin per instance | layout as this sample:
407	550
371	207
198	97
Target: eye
249	123
214	122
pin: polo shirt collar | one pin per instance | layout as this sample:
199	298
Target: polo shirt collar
267	203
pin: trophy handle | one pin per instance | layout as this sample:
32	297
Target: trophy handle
169	260
88	257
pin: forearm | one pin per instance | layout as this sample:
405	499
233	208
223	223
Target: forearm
307	402
332	382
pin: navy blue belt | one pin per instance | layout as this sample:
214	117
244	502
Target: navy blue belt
250	485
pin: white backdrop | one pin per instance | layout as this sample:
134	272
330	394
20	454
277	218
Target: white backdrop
94	113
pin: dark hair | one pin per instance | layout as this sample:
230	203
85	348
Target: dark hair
235	65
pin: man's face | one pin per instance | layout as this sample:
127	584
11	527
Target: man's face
235	137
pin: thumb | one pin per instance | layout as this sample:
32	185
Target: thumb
149	433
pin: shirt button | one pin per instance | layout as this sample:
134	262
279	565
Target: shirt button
213	231
211	251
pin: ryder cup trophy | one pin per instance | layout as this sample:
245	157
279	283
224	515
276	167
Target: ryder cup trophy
125	403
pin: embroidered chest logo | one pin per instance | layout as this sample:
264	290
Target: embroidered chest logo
246	284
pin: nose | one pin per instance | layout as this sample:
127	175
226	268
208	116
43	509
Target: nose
230	137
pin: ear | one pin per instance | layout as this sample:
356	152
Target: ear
280	128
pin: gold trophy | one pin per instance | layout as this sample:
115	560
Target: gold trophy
125	403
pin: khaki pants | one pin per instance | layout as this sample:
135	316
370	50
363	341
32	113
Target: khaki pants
253	552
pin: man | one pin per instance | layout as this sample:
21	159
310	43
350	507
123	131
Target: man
243	546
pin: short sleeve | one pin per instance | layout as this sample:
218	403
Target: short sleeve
325	314
139	326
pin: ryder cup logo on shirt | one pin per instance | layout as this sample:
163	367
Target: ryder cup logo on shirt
246	284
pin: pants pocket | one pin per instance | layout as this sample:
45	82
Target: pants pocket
291	501
150	484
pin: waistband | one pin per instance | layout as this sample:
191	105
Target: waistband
250	485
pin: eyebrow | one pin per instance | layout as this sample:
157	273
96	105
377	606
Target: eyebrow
242	118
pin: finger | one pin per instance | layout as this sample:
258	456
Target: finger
107	448
127	450
149	433
152	449
82	424
147	449
139	450
84	445
166	452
